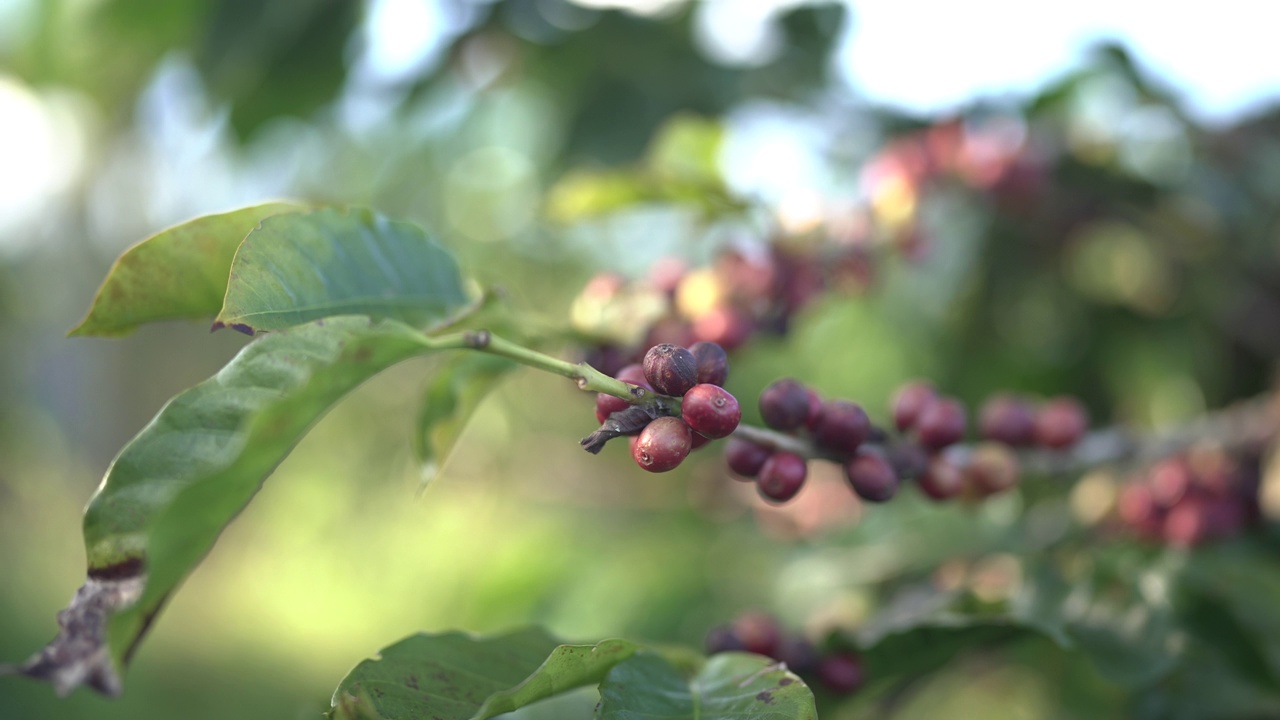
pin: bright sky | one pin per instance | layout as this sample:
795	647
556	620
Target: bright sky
935	55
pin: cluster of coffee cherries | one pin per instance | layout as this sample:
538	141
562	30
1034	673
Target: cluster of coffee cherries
933	423
745	291
839	670
1192	497
696	375
838	430
929	426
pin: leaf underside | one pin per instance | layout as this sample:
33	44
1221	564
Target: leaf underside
175	486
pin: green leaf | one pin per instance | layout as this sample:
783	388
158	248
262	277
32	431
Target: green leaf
452	396
741	686
175	486
453	676
179	273
306	266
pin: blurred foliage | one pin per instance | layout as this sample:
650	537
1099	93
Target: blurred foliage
1092	240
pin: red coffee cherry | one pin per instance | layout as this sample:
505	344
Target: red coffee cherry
781	477
784	405
871	476
909	401
941	423
841	426
607	405
1009	419
710	410
634	374
815	408
1169	480
744	457
1061	423
670	369
662	445
759	632
712	362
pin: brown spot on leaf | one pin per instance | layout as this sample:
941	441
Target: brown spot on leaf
363	354
785	681
765	697
412	681
129	568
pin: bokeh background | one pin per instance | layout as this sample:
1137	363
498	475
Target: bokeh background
1104	224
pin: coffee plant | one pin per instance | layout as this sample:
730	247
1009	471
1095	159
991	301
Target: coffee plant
1000	502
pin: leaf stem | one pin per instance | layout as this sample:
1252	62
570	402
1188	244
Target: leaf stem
588	378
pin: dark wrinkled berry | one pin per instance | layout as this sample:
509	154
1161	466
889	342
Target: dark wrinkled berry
841	426
722	638
1009	419
799	654
710	410
941	423
670	369
1061	423
784	405
744	457
909	401
712	362
941	480
781	476
662	445
871	476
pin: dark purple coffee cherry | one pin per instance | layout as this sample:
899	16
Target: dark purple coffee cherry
941	423
841	426
781	476
941	480
815	408
799	654
784	405
744	457
662	445
908	459
670	369
699	441
712	362
1009	419
1061	423
871	476
909	401
710	410
722	638
841	673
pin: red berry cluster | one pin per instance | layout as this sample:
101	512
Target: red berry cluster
1007	421
1189	498
707	410
839	670
743	292
838	428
